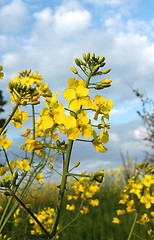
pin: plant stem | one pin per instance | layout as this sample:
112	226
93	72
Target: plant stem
30	212
132	228
62	188
9	118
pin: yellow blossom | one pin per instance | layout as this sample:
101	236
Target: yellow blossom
84	210
70	207
120	212
116	220
94	202
23	165
39	178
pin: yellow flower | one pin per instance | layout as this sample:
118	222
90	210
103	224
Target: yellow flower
1	208
101	106
144	219
147	199
120	212
148	180
1	74
26	133
70	207
84	210
76	94
94	202
4	142
31	144
23	165
39	178
116	220
136	189
18	117
75	126
12	164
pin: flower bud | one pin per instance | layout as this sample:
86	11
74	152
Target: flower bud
93	55
77	62
95	69
77	164
84	56
98	176
83	68
50	165
1	68
87	57
74	70
102	59
107	80
106	71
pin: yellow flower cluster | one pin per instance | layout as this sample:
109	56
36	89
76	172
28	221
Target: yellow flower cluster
1	74
84	191
45	217
138	195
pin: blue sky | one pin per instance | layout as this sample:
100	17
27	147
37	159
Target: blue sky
46	35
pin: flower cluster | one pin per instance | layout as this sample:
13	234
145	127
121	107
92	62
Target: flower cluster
45	217
138	195
84	191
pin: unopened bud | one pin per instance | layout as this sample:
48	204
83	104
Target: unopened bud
84	56
93	55
95	69
83	68
77	164
50	165
106	71
107	80
74	70
1	67
77	62
98	176
102	59
87	57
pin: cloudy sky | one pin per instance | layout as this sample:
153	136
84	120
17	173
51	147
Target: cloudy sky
46	35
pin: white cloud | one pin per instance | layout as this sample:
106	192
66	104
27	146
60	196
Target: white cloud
69	21
114	137
12	17
44	17
140	133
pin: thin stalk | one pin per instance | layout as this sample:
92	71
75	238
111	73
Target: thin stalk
77	175
5	218
132	228
30	212
7	161
62	189
9	118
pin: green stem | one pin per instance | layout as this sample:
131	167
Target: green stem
11	210
132	228
77	175
62	189
9	118
7	161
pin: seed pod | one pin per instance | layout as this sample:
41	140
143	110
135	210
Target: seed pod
106	71
74	70
95	69
102	59
77	62
99	87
